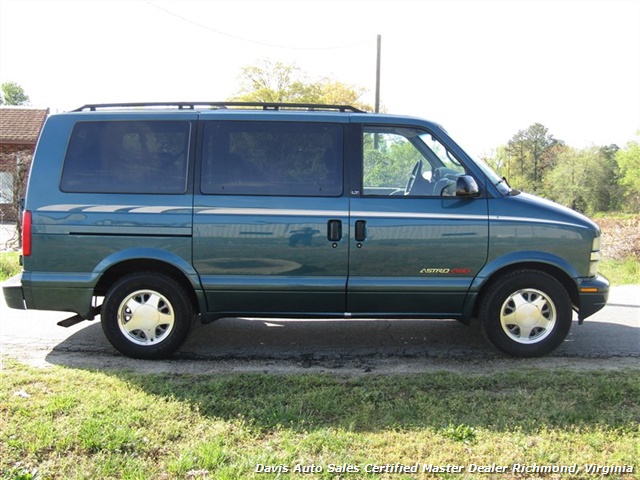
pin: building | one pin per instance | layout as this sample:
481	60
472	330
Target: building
19	131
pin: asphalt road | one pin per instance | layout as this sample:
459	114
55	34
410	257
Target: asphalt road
608	339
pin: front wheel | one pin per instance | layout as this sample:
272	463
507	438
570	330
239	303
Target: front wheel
147	315
526	313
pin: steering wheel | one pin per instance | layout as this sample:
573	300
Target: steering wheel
417	170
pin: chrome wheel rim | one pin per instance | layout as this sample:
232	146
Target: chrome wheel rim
528	316
146	317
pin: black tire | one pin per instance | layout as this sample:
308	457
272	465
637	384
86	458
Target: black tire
157	305
526	313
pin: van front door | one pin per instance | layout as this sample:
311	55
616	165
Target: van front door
415	246
270	217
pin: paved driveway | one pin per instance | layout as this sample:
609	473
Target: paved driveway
608	339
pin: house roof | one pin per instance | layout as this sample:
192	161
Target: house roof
21	125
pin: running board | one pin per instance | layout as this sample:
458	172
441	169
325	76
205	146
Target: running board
71	321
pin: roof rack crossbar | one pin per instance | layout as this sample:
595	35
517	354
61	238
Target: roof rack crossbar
223	105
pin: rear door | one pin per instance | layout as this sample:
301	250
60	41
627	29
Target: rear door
270	217
415	246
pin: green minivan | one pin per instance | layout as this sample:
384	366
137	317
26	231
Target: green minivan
153	216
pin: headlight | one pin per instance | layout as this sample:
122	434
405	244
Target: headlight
595	256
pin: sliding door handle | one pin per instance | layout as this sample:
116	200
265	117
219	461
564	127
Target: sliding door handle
361	230
334	230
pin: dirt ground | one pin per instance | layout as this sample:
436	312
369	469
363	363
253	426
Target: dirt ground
620	237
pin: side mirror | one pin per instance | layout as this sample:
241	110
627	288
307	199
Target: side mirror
466	186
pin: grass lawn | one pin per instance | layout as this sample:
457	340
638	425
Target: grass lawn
621	272
72	424
9	265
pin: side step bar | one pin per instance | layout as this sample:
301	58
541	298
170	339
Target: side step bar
71	321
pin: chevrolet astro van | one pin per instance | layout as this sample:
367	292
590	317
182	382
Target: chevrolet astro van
154	216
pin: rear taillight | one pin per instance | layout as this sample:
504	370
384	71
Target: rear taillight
26	233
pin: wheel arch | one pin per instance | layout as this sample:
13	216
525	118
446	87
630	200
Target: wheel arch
558	273
112	269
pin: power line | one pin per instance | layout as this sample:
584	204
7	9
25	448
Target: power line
248	40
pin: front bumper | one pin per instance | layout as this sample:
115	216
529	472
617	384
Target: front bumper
593	293
13	294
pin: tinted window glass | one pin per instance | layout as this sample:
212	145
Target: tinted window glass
127	157
272	158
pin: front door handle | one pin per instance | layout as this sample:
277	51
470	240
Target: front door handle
361	230
334	230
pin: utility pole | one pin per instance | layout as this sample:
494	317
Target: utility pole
376	140
378	74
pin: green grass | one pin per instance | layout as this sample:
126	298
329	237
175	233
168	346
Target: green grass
621	272
9	265
65	423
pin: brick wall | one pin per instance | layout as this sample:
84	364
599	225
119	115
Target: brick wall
10	154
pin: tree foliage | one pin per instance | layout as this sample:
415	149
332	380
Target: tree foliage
628	159
281	83
388	160
13	94
529	155
593	179
585	180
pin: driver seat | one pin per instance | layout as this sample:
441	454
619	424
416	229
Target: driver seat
421	186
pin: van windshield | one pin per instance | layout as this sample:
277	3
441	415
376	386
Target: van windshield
444	155
499	182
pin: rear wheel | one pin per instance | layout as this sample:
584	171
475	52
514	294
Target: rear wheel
526	313
147	315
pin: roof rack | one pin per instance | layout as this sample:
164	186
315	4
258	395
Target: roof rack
311	107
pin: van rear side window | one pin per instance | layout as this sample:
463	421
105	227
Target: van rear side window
272	158
149	157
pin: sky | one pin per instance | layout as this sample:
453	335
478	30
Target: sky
484	69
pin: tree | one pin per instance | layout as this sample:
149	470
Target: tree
629	161
585	180
280	83
530	153
13	94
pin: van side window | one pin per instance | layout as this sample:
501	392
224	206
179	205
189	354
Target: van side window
407	161
272	158
127	157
